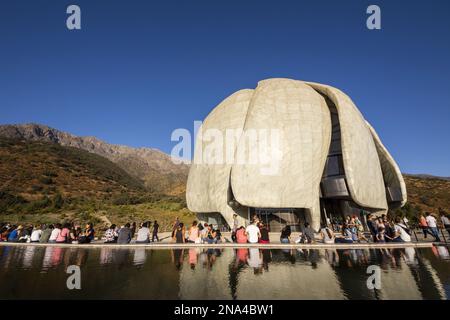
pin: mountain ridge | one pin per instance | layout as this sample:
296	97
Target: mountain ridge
152	166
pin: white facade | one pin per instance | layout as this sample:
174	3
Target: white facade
290	171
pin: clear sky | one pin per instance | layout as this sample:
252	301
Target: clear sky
137	70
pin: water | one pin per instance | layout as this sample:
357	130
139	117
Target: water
32	272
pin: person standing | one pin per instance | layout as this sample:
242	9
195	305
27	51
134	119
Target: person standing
133	229
432	224
253	233
445	222
402	229
264	233
179	234
194	233
423	225
372	227
155	231
241	237
175	226
235	227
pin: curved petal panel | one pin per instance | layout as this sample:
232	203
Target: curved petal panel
391	172
290	175
361	164
209	175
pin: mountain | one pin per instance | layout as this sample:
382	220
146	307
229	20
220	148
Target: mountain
426	176
44	182
33	173
153	167
427	193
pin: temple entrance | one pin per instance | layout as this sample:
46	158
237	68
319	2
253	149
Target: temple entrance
334	211
277	219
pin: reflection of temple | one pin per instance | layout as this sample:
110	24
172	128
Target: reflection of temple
313	274
243	273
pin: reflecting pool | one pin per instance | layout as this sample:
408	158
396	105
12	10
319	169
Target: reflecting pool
34	272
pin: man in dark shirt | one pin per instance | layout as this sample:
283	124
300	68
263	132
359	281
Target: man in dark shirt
155	231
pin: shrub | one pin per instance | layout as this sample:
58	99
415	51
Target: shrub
46	180
58	201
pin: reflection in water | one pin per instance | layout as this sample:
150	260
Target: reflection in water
243	273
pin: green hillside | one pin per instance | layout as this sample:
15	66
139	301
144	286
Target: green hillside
42	182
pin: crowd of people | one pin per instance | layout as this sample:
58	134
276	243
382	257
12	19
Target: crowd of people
350	230
51	233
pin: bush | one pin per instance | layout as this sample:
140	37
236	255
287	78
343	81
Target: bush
50	173
8	200
58	201
38	205
46	180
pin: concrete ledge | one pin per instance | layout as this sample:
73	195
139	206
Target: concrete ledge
230	245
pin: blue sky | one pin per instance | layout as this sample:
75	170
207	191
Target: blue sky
140	69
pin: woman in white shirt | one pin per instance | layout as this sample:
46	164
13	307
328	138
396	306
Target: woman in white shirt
327	235
36	234
55	233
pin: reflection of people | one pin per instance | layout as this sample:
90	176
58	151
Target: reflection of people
266	258
193	257
242	255
177	257
139	257
255	258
